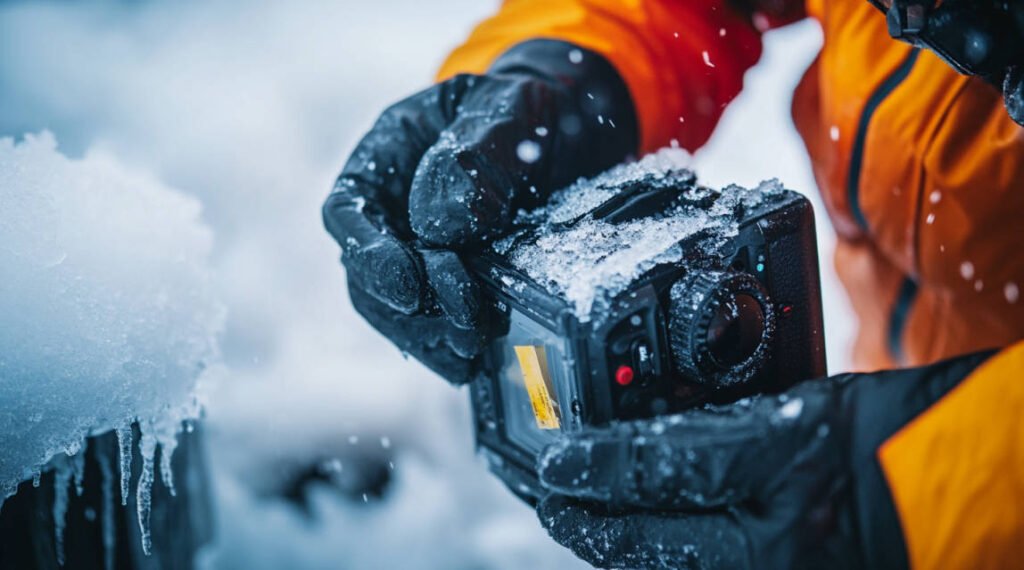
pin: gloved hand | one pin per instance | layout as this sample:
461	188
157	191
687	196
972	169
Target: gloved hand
788	481
445	171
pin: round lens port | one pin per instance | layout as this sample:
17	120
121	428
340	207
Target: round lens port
720	326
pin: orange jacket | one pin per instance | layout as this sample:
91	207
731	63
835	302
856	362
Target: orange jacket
922	172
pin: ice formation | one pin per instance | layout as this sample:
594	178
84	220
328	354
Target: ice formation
108	315
587	261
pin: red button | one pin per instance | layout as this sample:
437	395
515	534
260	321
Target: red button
624	375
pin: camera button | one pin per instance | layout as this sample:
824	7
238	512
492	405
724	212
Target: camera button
624	375
643	358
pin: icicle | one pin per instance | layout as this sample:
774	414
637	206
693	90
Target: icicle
37	477
61	480
144	490
107	517
167	447
124	443
78	467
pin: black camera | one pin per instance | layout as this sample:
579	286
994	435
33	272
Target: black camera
637	294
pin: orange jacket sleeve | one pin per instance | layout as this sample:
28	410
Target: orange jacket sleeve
956	472
683	60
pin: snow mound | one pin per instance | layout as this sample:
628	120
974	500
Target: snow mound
108	313
587	261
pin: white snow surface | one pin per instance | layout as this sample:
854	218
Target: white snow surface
252	108
108	311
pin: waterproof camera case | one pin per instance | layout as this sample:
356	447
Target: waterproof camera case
642	295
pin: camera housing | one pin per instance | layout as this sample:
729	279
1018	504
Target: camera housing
724	303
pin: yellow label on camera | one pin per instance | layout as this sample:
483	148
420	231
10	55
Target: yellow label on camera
534	363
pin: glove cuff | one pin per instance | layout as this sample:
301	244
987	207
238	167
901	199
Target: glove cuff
877	406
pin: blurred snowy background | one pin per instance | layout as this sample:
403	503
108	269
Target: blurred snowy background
250	108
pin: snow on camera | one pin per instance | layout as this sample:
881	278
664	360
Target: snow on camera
107	310
588	261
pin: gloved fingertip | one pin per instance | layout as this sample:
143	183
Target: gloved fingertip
455	290
439	200
456	199
465	312
387	271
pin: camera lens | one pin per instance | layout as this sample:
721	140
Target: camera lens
735	330
720	325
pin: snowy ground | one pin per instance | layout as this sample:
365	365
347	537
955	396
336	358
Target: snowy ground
251	107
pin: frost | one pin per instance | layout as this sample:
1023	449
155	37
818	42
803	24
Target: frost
109	315
570	203
588	261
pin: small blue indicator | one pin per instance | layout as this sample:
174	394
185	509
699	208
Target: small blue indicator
760	267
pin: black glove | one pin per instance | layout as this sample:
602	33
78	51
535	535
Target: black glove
445	171
787	481
975	37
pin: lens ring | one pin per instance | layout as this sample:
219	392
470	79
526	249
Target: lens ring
721	326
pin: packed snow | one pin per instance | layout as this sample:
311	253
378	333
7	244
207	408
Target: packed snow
109	315
252	108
